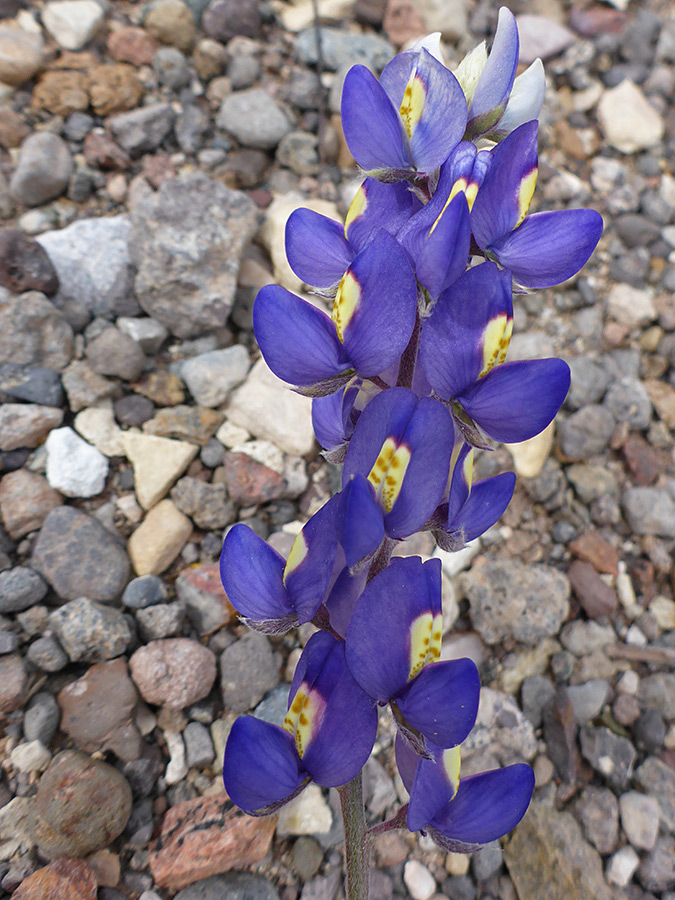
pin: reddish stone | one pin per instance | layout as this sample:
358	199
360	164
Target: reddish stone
597	551
66	879
158	168
626	709
641	460
249	482
101	152
13	683
596	597
596	19
132	45
402	22
205	837
26	499
203	582
13	129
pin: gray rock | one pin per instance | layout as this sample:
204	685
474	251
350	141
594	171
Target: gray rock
89	631
609	754
114	353
26	425
9	642
191	126
248	670
211	376
32	384
588	699
147	332
487	861
207	504
586	432
20	588
636	230
171	68
162	620
628	401
41	718
658	692
187	244
510	599
598	810
198	746
339	48
145	591
43	171
501	730
78	556
649	731
650	510
143	129
234	886
254	118
536	693
274	706
658	780
47	654
212	454
657	869
639	819
299	152
91	258
33	332
591	482
243	71
225	19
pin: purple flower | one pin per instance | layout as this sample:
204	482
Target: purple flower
408	122
327	735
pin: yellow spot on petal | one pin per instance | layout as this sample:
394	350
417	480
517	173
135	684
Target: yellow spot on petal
356	208
451	764
525	194
412	107
425	642
388	472
295	557
496	338
346	301
468	188
304	717
468	469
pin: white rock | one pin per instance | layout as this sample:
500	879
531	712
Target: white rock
447	16
157	462
308	813
20	54
454	563
74	467
146	331
295	475
628	683
639	819
177	767
211	376
263	452
98	426
269	409
622	866
631	306
663	610
273	230
627	119
31	756
72	22
230	435
529	456
419	880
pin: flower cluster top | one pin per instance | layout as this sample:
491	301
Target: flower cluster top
408	372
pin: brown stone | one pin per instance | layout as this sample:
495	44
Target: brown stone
13	682
402	22
61	92
596	597
173	672
249	482
65	879
13	129
157	168
662	396
26	424
78	62
26	499
205	837
596	19
641	460
197	424
209	58
114	89
101	152
132	45
97	710
171	22
596	550
162	387
24	264
85	387
106	866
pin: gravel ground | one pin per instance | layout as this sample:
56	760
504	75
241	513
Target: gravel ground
151	155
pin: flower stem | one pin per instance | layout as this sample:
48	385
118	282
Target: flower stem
356	850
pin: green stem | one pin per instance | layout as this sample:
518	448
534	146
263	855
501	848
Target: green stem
356	851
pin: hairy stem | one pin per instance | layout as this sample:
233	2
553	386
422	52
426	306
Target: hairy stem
406	369
382	558
356	850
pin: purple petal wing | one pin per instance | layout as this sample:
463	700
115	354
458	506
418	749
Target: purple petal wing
386	415
379	641
251	572
311	560
486	504
298	341
487	806
495	83
331	417
519	399
261	766
317	249
442	701
396	74
455	346
362	527
505	194
378	205
444	253
378	327
371	124
431	792
549	247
